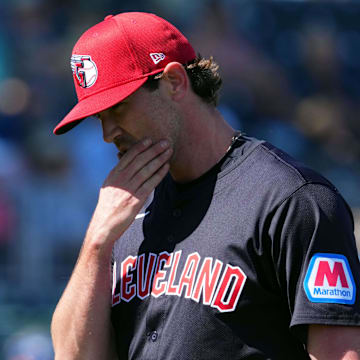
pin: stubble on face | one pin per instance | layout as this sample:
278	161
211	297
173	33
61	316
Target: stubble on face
147	114
165	120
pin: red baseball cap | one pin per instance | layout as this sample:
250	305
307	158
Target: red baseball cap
114	58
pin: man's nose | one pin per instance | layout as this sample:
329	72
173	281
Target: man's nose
110	130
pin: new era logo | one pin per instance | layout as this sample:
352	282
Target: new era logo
157	57
329	280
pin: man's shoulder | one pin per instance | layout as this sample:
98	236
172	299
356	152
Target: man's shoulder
275	165
266	173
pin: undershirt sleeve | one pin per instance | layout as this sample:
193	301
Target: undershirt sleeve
311	231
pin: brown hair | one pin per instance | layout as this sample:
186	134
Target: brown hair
204	78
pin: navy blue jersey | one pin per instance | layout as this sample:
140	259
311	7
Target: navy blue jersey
237	263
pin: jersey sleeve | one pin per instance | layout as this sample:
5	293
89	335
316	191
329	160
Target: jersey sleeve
315	257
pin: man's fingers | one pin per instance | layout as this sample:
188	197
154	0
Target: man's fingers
141	158
134	151
147	171
150	184
130	182
139	165
146	157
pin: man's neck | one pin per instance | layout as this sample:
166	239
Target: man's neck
203	141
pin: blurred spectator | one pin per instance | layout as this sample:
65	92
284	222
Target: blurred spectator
31	343
252	81
54	217
327	114
356	212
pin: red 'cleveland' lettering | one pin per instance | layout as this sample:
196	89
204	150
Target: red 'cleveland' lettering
115	296
171	288
206	281
128	291
144	289
188	274
238	277
204	284
332	276
159	287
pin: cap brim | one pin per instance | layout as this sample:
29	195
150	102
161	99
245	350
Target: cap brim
96	103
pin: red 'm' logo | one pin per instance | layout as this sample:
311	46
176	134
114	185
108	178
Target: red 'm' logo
332	276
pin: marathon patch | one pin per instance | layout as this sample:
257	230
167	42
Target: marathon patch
329	280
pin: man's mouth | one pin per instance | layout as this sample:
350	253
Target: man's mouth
121	153
121	149
123	144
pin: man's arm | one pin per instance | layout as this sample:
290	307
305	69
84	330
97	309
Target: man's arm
327	342
81	326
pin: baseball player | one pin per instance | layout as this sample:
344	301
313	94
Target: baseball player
205	243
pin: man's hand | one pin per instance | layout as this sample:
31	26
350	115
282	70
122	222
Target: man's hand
81	326
127	187
326	342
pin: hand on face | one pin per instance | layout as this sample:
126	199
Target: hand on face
127	187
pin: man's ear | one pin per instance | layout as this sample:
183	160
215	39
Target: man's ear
177	80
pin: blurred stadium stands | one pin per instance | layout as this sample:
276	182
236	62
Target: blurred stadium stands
291	72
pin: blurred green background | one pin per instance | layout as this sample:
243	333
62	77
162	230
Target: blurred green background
291	72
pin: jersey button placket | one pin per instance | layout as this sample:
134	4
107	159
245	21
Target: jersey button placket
153	335
177	212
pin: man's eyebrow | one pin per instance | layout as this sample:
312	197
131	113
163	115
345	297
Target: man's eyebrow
116	105
110	108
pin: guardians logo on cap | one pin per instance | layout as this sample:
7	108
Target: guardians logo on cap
84	69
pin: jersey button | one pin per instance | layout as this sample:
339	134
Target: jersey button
177	213
170	239
154	336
